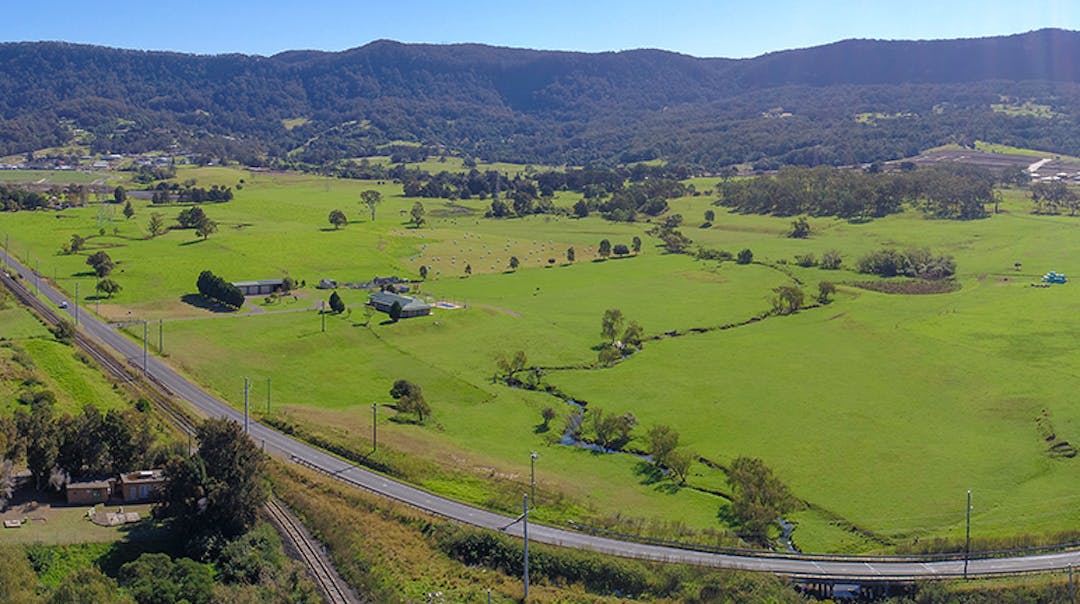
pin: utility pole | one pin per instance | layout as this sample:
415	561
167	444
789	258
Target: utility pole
532	476
76	303
144	330
374	427
525	532
246	388
161	337
967	541
268	396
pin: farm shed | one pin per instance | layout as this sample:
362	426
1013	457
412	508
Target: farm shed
89	492
261	287
410	307
144	485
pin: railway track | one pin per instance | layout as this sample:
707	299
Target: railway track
323	573
131	375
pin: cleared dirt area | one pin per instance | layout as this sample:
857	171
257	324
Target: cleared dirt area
1049	165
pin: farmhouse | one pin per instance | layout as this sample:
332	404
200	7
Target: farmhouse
89	492
260	288
144	485
410	307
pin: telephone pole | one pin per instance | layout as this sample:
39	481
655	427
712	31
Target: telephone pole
161	337
144	331
268	396
374	427
967	540
76	301
525	532
532	476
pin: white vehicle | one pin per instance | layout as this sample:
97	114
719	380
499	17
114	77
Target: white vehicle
63	304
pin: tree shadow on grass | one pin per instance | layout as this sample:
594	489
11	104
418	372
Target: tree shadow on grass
652	475
541	428
199	301
192	242
146	536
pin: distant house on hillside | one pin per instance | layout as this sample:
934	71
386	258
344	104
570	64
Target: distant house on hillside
383	281
261	287
410	307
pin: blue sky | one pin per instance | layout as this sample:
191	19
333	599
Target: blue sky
717	28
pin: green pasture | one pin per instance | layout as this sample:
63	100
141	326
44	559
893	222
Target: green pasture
880	411
31	358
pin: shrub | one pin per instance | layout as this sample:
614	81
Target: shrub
831	260
919	263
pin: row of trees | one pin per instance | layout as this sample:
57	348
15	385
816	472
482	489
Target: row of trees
605	248
215	288
57	447
957	191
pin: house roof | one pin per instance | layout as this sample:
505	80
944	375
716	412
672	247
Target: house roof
406	302
259	282
101	483
142	476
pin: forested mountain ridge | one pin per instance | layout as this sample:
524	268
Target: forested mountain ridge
852	101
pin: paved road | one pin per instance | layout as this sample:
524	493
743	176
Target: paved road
826	568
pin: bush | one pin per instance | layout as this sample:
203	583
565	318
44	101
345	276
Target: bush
831	260
745	257
919	263
806	260
800	228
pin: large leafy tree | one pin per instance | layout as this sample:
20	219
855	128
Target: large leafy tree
101	263
336	304
410	398
759	498
221	488
611	323
417	214
371	198
40	437
108	287
338	219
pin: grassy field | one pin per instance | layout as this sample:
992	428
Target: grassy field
879	410
30	358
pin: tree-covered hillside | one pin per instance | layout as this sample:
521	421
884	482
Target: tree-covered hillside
853	101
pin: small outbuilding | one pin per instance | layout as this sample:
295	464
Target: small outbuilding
261	287
89	492
410	307
141	486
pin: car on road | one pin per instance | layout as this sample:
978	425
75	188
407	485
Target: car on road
63	304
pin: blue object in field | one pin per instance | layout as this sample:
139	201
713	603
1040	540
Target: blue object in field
1054	277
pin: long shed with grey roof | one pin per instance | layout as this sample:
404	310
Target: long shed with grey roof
410	307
